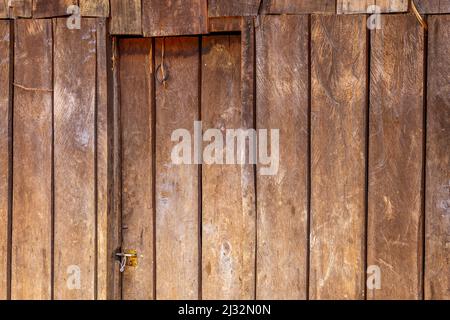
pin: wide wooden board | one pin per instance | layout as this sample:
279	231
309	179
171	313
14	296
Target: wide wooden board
94	8
233	8
433	6
51	8
301	6
126	17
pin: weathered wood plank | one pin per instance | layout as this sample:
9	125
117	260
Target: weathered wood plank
227	8
74	159
4	9
228	190
169	18
226	24
126	17
177	196
51	8
301	6
21	8
392	5
362	6
282	89
5	125
32	190
137	163
437	263
338	169
396	157
433	6
104	264
94	8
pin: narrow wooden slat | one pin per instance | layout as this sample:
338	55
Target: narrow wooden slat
137	163
51	8
433	6
232	8
4	9
74	159
169	18
437	214
94	8
228	254
32	193
282	89
301	6
177	224
21	8
338	169
104	265
396	158
362	6
5	111
126	17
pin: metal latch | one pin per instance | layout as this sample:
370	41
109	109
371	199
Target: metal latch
129	258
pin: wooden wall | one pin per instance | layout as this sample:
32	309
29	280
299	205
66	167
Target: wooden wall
85	165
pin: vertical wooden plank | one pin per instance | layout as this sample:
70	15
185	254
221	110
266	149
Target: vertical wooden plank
126	17
168	18
177	225
392	5
74	159
353	6
396	157
5	111
32	190
301	6
437	214
228	253
338	156
137	164
104	265
51	8
94	8
4	9
21	8
283	88
227	8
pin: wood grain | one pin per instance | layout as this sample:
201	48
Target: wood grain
21	8
224	24
74	158
361	6
4	9
396	157
437	214
126	17
338	169
301	6
433	6
227	8
170	18
228	255
5	126
177	190
136	71
392	5
283	89
94	8
32	163
51	8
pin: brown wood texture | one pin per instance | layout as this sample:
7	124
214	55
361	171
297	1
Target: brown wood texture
21	8
283	89
4	9
362	6
126	17
177	186
437	214
5	126
338	169
32	163
228	242
224	24
168	18
433	6
103	158
51	8
74	158
94	8
396	157
227	8
137	164
301	6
